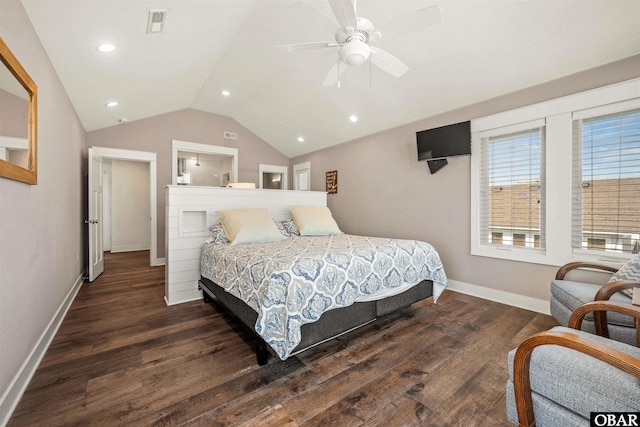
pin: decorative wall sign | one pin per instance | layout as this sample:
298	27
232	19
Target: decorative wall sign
332	182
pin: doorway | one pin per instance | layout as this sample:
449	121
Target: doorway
97	158
273	177
302	176
125	207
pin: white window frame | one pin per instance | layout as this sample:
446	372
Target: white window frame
618	107
558	114
520	127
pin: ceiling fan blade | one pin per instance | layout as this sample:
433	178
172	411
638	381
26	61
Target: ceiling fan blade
409	23
387	62
345	12
307	46
333	76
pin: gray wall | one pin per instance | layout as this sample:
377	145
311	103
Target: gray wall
156	133
130	229
40	225
384	191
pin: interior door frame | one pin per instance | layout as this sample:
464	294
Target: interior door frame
304	167
147	157
284	170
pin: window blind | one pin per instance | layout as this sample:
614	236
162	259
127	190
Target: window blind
606	182
512	188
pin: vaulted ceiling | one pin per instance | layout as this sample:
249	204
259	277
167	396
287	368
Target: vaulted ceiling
480	49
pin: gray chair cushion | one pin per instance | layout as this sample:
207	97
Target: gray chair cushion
574	294
547	412
578	382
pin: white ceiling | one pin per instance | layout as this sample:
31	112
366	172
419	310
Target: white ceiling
482	49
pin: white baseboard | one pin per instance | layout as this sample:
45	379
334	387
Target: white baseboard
515	300
18	385
130	248
181	297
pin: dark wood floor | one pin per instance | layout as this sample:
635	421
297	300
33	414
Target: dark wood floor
122	357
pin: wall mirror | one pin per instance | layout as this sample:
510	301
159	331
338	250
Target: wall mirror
18	120
203	164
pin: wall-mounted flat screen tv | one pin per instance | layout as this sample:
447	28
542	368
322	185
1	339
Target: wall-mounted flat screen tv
445	141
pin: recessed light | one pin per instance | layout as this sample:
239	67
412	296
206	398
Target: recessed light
353	118
300	139
123	120
225	93
106	47
111	104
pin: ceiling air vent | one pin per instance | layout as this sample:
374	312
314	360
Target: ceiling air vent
230	135
155	23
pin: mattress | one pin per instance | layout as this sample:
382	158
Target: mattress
293	282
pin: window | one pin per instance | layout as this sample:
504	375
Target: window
596	244
511	185
606	182
519	239
559	181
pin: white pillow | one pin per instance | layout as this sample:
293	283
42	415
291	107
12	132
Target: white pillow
629	271
314	220
249	226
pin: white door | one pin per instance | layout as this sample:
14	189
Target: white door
96	253
302	176
106	205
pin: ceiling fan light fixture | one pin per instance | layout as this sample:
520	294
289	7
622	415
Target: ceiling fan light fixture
355	52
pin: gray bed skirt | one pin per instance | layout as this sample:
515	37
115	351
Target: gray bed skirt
330	325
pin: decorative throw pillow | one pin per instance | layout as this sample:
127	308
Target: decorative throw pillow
217	234
629	271
249	226
289	227
314	220
280	226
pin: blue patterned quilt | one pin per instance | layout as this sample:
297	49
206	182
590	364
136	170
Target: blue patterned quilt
292	282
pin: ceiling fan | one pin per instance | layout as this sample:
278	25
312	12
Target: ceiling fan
355	35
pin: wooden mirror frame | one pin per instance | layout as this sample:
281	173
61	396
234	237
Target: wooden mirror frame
10	170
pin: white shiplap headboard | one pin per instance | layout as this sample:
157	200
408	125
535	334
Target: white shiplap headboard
190	210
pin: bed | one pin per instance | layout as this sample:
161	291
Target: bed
300	281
